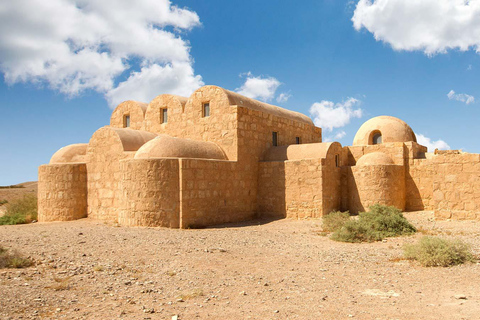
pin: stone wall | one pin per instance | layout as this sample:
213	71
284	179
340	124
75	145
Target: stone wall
396	150
271	200
105	150
150	193
62	192
369	185
213	192
255	130
186	120
419	177
456	186
331	179
291	189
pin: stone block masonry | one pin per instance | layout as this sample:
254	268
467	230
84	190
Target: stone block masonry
62	192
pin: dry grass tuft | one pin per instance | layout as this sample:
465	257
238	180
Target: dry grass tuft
191	295
60	284
438	252
98	268
13	259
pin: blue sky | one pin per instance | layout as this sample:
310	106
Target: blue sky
341	62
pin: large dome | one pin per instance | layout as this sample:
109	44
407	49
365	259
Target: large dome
383	129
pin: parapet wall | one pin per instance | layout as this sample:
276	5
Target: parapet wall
62	192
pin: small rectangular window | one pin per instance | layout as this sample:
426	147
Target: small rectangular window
163	115
206	109
337	160
275	138
297	140
126	121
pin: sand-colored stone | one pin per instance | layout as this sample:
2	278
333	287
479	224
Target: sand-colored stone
180	165
392	130
134	109
62	192
74	153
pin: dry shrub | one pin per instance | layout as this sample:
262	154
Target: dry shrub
438	252
375	225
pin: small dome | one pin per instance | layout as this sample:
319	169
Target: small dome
383	129
165	146
374	159
74	153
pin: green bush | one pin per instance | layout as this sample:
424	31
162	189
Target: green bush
2	202
438	252
21	211
334	220
375	225
13	260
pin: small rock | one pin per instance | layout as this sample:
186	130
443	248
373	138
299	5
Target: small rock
243	293
460	297
276	311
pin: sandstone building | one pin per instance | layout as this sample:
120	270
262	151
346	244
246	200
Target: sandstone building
220	157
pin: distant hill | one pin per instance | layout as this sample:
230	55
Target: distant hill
13	193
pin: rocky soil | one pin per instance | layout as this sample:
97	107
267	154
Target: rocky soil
281	269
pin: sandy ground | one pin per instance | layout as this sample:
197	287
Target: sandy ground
282	269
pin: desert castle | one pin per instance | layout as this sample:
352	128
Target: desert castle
220	157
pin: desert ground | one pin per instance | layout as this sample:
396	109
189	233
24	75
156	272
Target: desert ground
283	269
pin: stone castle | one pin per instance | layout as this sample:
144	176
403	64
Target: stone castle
220	157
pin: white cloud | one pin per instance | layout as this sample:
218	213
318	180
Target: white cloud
339	135
462	97
262	88
431	26
175	78
74	46
431	145
329	115
283	97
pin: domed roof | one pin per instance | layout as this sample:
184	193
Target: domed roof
73	153
374	159
165	146
386	128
